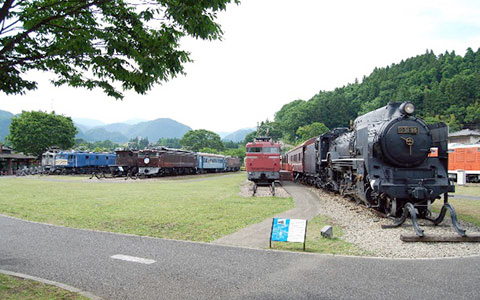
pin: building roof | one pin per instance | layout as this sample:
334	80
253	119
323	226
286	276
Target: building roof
16	156
465	132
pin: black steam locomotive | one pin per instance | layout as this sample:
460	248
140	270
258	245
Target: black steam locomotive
385	161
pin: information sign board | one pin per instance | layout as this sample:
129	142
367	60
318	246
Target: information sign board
288	230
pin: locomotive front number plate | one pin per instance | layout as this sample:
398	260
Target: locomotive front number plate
407	130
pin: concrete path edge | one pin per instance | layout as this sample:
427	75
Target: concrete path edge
54	283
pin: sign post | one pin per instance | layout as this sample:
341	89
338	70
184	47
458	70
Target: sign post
288	230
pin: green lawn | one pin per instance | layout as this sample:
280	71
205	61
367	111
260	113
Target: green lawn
14	288
468	190
467	210
178	209
318	244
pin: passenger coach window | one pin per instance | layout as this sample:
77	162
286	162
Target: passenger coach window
254	149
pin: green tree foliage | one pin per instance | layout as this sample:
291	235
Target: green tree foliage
238	152
98	146
232	144
34	132
138	143
312	130
266	128
209	150
169	143
95	43
249	137
195	140
443	88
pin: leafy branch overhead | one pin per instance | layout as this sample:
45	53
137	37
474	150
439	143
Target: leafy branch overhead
95	43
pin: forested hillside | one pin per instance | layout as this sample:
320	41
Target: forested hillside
443	88
5	120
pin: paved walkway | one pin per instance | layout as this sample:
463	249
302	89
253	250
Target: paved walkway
165	269
258	235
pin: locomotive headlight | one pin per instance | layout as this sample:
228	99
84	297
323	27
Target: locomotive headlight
408	108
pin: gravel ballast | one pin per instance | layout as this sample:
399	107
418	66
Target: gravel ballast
362	227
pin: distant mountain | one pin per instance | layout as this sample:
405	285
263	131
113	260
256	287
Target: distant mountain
93	130
101	134
81	127
122	132
238	135
116	127
5	120
158	128
134	121
88	123
223	134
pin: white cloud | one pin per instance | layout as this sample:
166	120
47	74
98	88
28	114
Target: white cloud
273	52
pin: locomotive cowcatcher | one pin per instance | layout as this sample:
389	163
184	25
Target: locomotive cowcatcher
262	162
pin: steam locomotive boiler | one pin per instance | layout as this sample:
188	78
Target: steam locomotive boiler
384	161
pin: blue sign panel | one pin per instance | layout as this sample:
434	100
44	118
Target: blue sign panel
280	230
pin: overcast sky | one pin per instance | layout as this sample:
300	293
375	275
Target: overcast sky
274	52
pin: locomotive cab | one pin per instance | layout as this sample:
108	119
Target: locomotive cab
262	160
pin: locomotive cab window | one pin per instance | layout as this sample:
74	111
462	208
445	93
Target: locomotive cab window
271	150
254	150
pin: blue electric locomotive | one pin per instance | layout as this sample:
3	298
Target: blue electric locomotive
83	162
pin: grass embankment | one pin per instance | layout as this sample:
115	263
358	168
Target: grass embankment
318	244
466	209
13	288
201	210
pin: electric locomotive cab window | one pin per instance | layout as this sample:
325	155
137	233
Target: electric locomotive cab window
271	150
254	149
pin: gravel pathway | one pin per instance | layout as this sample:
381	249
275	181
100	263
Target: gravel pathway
363	228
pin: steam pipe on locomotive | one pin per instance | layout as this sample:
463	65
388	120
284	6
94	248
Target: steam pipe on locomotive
383	161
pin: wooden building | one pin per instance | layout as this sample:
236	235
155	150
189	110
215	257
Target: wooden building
10	162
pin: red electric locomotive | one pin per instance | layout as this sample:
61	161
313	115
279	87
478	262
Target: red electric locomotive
262	161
